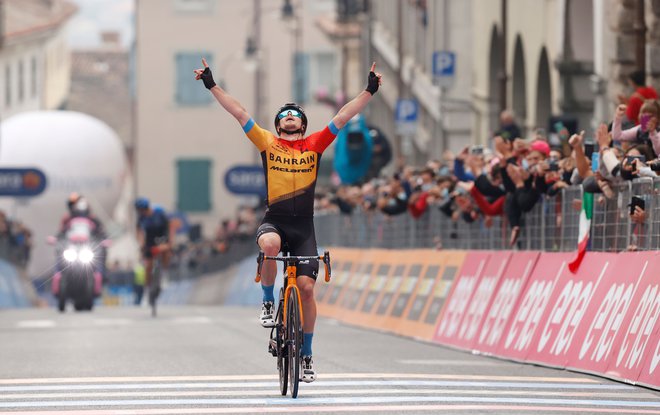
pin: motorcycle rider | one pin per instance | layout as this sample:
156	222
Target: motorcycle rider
79	208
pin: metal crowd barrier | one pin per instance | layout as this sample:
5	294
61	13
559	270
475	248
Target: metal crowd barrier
552	225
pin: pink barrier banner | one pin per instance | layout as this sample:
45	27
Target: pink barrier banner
637	356
650	375
459	298
528	312
500	309
481	299
599	336
572	296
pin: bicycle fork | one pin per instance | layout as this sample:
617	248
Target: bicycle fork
291	285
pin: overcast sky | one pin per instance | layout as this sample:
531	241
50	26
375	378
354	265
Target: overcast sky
95	16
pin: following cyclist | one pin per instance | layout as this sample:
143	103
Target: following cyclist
153	230
290	161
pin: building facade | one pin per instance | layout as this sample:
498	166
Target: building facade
35	64
185	142
543	59
403	37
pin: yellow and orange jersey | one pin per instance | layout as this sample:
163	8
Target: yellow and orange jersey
291	167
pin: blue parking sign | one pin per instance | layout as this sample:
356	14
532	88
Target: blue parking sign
406	110
405	115
444	63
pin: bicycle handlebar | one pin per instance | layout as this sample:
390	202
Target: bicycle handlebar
325	258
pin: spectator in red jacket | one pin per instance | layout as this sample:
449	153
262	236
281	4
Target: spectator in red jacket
637	81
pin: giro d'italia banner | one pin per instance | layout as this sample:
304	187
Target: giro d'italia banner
524	306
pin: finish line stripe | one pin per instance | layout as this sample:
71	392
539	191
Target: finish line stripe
274	377
353	391
457	384
338	401
308	409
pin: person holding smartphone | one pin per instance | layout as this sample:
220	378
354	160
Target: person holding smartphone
634	161
644	133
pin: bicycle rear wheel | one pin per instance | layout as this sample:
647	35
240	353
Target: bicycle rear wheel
280	336
294	334
154	286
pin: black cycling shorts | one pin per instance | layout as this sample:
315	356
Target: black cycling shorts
297	233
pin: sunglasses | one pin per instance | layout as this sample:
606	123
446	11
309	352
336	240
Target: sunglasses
286	113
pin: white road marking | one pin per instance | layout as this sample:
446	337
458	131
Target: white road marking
352	391
448	362
235	385
124	379
352	400
192	320
364	392
35	324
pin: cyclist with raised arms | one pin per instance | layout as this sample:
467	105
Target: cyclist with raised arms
290	161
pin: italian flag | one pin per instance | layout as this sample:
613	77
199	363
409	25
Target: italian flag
585	227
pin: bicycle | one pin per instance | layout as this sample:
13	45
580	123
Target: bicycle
155	283
286	338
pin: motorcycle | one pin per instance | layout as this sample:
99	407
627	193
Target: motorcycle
79	276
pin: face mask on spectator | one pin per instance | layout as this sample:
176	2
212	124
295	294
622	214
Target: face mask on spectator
525	164
444	193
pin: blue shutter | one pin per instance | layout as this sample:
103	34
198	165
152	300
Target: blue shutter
188	91
301	77
194	185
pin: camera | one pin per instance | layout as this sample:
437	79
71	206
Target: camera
631	159
477	150
553	166
636	201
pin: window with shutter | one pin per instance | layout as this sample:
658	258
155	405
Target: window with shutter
194	185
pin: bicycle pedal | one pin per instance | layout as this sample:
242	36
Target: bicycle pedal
272	347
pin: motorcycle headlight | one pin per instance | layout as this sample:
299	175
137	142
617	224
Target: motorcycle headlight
86	256
70	254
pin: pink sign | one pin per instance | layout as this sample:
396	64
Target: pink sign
459	298
572	296
600	334
500	309
637	354
529	310
481	299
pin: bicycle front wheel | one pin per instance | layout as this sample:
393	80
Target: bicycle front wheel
280	344
294	334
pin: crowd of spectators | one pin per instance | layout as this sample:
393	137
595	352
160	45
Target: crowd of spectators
15	240
509	176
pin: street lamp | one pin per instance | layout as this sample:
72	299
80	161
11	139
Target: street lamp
289	14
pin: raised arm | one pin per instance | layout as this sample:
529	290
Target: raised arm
625	135
229	103
357	104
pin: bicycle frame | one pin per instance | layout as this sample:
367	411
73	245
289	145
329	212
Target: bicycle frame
288	330
291	270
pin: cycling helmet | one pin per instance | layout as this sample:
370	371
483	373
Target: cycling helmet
291	106
72	199
81	207
141	203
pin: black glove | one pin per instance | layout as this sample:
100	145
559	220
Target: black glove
372	83
207	78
